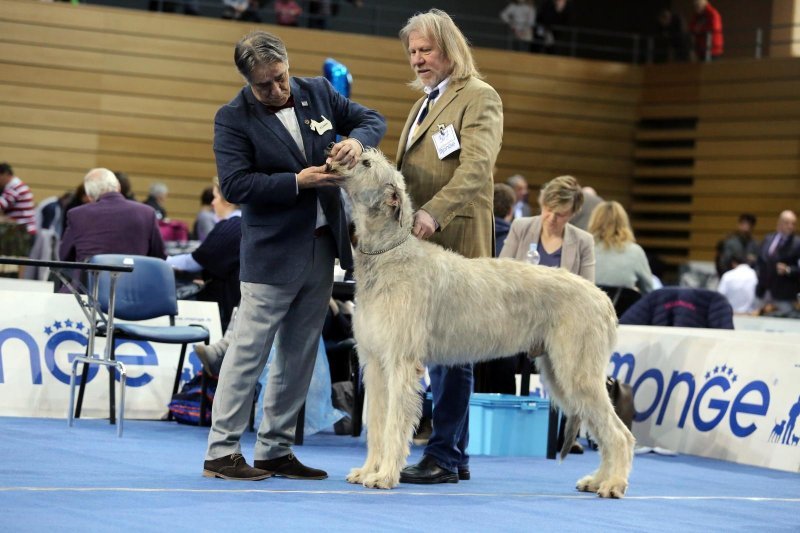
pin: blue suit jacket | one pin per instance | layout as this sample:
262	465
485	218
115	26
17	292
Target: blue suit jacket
257	160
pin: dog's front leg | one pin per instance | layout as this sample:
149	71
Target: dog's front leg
375	387
403	409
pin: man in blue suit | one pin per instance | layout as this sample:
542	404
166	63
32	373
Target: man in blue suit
271	144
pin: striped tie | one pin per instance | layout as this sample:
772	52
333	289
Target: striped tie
428	104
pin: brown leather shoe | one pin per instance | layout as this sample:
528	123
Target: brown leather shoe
233	468
290	467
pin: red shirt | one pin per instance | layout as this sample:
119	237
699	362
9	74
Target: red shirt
16	202
287	12
703	23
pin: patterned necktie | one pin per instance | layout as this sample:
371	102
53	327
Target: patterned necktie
428	104
776	243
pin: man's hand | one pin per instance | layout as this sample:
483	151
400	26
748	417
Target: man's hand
424	225
317	177
345	152
782	269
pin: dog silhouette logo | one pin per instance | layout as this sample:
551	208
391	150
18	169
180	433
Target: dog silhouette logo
783	432
322	126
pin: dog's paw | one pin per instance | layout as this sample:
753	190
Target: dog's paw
355	476
613	488
587	484
380	481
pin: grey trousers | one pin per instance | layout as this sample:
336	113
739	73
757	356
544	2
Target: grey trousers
292	316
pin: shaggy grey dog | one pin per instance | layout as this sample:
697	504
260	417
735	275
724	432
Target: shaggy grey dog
419	304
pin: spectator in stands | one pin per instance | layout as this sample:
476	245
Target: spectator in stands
520	15
18	207
620	261
504	199
553	17
244	10
738	285
320	11
125	185
217	258
590	201
190	7
520	185
706	26
740	243
206	218
287	12
109	224
78	198
156	198
779	265
672	39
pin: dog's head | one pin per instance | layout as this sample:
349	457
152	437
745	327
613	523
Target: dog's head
376	188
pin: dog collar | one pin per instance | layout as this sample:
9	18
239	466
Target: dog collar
379	252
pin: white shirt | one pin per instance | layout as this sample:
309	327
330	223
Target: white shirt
428	90
739	287
288	118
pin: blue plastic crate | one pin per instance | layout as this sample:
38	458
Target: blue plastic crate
506	425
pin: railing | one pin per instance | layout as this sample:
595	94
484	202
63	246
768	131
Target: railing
385	20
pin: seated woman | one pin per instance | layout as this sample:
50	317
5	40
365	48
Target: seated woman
620	261
217	258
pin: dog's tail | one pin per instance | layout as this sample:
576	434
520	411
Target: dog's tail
570	434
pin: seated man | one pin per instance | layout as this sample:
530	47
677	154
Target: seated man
109	223
217	258
779	265
738	285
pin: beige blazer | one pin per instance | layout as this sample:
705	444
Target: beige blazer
458	190
577	251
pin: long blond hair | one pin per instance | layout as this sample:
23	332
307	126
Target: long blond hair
440	28
610	225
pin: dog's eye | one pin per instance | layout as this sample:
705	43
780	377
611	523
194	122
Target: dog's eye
366	163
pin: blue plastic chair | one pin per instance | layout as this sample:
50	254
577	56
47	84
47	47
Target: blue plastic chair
147	292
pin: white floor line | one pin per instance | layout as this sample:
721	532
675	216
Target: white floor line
358	492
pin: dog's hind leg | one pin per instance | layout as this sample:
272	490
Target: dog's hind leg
375	386
403	408
615	443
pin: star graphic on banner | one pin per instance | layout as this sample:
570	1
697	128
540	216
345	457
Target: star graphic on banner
57	324
730	371
79	326
724	368
68	323
734	378
708	375
716	369
48	330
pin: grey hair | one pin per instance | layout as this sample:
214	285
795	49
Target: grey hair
158	189
516	178
256	48
440	28
98	182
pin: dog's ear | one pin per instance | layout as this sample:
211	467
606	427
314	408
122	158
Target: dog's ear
394	198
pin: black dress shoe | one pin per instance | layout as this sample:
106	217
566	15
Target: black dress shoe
427	472
463	473
290	467
234	468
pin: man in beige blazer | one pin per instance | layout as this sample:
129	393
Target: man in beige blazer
447	152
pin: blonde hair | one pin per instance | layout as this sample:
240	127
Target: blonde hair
440	28
610	225
561	192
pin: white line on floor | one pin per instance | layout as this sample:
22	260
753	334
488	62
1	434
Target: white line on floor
392	493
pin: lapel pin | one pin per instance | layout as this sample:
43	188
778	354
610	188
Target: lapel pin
307	121
304	103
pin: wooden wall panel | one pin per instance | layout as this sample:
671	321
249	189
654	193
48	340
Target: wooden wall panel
136	91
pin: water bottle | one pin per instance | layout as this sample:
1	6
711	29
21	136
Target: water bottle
533	254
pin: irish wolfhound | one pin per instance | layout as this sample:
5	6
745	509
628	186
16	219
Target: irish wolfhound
419	304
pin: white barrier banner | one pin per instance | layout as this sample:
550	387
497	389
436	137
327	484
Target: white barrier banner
732	395
40	335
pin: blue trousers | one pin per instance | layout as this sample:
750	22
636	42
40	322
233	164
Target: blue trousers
451	387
